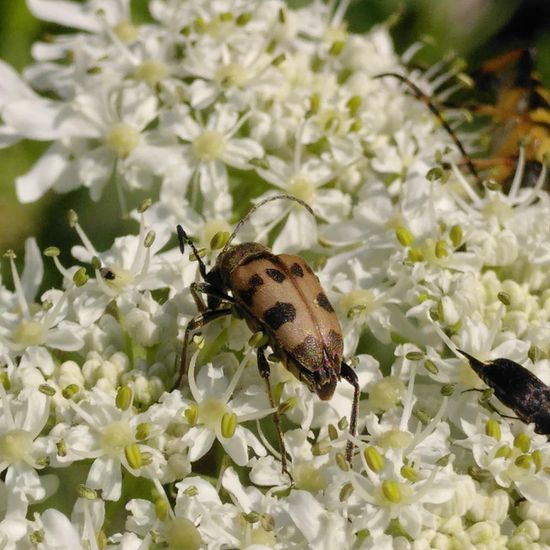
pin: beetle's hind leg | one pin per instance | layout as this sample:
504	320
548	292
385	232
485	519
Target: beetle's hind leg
351	376
198	321
263	367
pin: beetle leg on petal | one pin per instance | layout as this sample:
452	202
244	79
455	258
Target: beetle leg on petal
351	376
263	367
197	322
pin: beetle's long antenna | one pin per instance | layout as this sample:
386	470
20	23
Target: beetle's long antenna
184	239
422	96
261	203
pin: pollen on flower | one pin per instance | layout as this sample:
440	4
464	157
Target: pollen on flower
211	413
302	187
116	436
232	74
29	333
126	32
210	145
122	139
261	537
117	278
395	439
152	72
357	302
181	533
15	446
386	393
309	478
499	210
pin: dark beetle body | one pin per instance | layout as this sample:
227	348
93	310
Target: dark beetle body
281	296
517	388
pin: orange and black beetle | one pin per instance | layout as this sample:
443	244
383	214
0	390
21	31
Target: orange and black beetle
279	295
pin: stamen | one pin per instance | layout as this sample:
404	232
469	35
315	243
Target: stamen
19	292
518	176
233	384
408	405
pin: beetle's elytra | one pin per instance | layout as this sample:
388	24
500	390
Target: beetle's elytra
517	388
280	296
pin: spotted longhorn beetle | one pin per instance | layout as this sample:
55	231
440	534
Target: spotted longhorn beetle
517	388
279	295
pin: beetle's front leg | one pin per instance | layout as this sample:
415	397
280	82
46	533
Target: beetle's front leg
197	289
197	322
263	367
351	376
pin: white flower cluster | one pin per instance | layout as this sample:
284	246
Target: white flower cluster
215	103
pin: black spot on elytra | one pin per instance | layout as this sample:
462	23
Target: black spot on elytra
322	300
279	314
247	295
275	274
296	270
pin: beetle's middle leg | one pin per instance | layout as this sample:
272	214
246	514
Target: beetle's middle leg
351	376
263	367
198	321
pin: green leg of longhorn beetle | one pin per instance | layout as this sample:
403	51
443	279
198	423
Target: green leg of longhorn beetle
350	375
263	367
197	322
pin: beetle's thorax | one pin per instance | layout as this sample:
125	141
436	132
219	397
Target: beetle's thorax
235	256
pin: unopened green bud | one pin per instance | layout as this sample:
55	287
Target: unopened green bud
70	391
72	218
523	461
191	414
52	252
353	104
336	47
219	240
142	431
228	425
287	405
409	473
374	459
456	235
503	452
345	492
431	367
80	277
46	389
404	236
149	239
341	462
144	205
124	397
448	389
522	442
391	490
243	19
441	249
133	456
86	492
492	429
161	509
